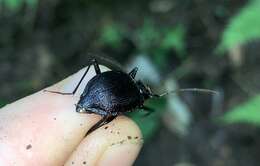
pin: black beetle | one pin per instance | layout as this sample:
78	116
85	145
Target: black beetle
112	93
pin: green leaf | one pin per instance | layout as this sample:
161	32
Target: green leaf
175	38
2	103
13	5
111	34
149	124
159	57
32	3
248	112
147	36
244	27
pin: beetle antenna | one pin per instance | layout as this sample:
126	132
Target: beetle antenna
187	90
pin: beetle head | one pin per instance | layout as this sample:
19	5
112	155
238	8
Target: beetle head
145	90
80	108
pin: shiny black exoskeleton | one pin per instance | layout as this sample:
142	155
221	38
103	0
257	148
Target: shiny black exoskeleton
110	94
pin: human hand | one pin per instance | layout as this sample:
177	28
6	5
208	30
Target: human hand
44	129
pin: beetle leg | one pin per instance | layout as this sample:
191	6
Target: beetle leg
61	93
133	72
105	119
93	110
147	109
96	66
76	88
97	70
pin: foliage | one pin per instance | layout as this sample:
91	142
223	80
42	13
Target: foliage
175	38
149	39
147	36
111	34
2	103
244	27
15	5
248	112
149	124
158	41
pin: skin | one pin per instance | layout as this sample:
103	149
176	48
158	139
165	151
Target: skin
44	129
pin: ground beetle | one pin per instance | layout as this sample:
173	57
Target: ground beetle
112	93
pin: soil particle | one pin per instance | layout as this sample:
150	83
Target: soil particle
28	146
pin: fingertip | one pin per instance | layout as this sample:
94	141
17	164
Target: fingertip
123	155
117	143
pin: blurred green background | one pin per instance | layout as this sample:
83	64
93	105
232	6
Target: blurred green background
175	44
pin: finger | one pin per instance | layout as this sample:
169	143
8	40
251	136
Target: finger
43	129
116	143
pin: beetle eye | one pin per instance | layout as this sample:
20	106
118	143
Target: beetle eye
80	109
